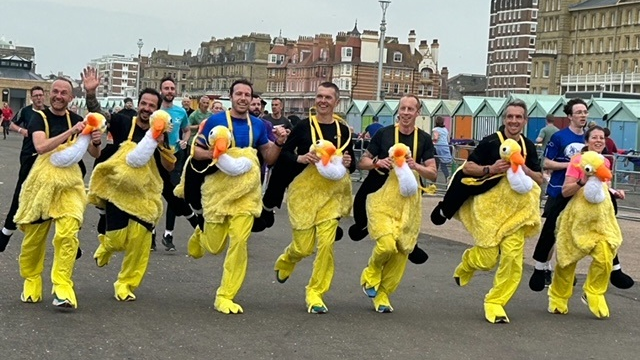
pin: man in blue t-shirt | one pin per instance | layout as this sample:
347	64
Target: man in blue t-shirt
372	128
177	140
231	199
563	145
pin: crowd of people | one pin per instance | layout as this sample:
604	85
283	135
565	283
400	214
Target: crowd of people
226	170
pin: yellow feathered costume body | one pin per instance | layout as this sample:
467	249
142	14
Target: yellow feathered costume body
583	224
313	198
391	214
224	195
135	191
515	210
54	187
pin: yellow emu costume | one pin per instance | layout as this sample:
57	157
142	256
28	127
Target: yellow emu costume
394	215
231	198
500	220
128	186
587	227
317	198
54	191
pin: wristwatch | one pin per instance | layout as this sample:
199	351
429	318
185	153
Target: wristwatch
580	183
485	170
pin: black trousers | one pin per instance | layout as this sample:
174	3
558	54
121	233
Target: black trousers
458	193
282	174
372	183
26	163
116	219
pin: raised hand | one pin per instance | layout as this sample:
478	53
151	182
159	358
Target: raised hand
90	79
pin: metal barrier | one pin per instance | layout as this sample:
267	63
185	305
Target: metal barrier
358	150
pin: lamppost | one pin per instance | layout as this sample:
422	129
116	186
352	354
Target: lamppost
384	4
140	45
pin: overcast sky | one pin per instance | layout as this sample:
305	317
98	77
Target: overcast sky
67	34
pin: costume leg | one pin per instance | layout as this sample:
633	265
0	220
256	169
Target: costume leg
383	252
562	289
475	258
391	276
115	236
134	264
598	279
301	246
65	247
323	266
235	264
31	259
507	277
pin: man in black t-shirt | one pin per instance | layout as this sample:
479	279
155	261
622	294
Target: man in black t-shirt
20	124
316	202
276	118
393	218
501	217
130	215
128	109
54	191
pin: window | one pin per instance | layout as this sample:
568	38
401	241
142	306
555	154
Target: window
397	56
532	41
600	45
396	88
347	52
430	90
273	58
545	69
534	14
407	88
603	20
421	90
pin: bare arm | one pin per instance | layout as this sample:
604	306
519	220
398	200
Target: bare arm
427	170
571	186
534	175
202	154
18	129
44	145
270	152
549	164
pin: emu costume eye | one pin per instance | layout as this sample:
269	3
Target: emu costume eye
504	149
588	169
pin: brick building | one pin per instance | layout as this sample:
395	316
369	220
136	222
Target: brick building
512	40
118	75
160	64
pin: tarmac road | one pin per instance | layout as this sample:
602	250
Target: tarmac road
174	318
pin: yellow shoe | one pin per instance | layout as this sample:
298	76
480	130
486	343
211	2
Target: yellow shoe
558	306
227	306
461	276
32	290
495	314
597	304
64	297
123	293
102	256
382	304
194	248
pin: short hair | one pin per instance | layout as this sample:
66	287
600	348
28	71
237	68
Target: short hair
241	82
167	78
277	98
217	102
153	92
517	103
413	96
128	99
607	132
330	85
374	119
439	121
592	129
568	109
35	88
203	96
61	78
551	119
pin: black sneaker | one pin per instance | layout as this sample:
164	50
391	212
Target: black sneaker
548	275
4	240
78	253
418	256
167	241
437	217
269	217
339	234
356	233
536	283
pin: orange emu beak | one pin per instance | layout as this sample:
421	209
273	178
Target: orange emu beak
220	147
93	123
158	129
603	173
399	156
516	159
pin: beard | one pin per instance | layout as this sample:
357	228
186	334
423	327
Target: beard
168	98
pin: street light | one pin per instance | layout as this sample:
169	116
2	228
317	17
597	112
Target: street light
384	4
140	45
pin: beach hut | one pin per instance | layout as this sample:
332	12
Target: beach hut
374	108
623	123
445	109
387	114
354	114
424	120
600	110
538	116
462	116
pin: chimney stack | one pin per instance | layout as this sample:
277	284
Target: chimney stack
412	41
435	49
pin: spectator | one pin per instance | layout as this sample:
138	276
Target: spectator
372	128
440	137
609	143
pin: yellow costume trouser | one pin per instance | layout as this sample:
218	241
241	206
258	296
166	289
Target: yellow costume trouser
510	252
31	260
134	241
594	287
385	268
323	268
214	239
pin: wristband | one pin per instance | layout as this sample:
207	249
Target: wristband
278	145
580	183
96	143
